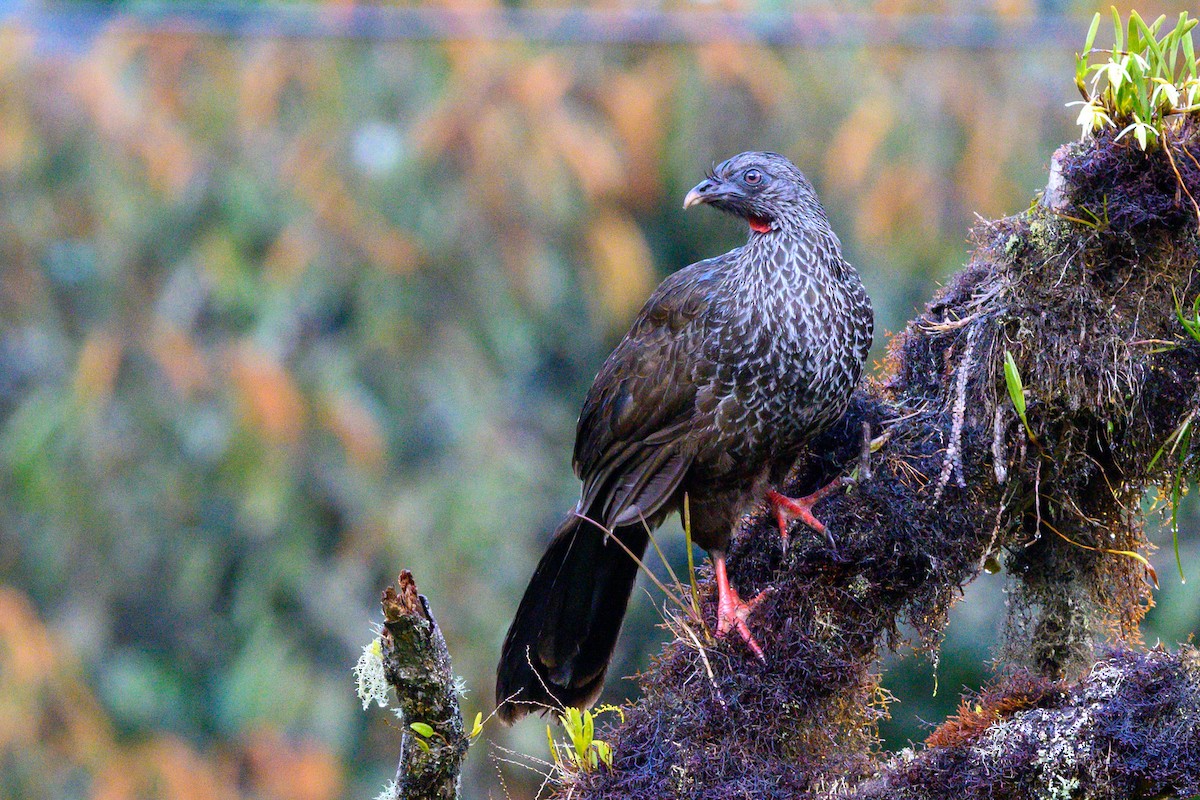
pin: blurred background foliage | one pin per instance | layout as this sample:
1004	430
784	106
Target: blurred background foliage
282	315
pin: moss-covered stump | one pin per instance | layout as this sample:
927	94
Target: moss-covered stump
1081	291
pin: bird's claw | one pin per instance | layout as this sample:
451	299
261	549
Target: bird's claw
788	509
732	613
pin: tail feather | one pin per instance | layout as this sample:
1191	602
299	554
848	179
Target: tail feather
559	645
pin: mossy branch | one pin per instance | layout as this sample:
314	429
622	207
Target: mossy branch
1079	292
1078	295
1128	730
417	665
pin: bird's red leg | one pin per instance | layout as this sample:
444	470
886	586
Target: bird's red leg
732	610
788	508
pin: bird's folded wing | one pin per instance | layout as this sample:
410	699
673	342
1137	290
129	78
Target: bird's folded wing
632	445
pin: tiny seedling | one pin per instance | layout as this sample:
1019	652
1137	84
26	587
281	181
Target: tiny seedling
424	732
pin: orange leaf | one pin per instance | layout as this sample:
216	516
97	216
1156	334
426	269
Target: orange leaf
358	431
270	399
96	370
624	267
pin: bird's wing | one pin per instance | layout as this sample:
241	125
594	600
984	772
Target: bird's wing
631	447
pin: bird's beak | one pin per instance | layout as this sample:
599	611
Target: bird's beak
705	192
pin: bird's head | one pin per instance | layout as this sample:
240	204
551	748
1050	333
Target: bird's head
765	189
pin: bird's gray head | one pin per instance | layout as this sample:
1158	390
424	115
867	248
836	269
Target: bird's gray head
765	189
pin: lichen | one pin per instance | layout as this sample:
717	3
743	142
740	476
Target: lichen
369	678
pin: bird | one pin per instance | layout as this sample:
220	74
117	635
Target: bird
733	363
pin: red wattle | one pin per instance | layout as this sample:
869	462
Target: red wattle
760	225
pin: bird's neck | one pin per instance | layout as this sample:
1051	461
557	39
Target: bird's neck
790	248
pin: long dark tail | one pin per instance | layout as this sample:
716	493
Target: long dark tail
559	645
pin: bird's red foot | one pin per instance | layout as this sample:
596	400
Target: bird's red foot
732	610
788	508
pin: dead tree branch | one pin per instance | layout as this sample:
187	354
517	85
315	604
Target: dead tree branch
417	665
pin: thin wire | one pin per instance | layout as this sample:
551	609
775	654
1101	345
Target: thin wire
631	26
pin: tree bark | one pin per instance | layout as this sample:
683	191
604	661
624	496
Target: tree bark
417	665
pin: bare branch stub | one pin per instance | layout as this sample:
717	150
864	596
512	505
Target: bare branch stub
417	664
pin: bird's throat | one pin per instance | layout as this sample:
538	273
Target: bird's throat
759	224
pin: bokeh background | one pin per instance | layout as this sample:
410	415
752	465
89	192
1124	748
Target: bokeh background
294	296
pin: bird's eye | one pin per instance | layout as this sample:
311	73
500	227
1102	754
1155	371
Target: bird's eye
752	177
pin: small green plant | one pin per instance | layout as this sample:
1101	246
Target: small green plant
1191	324
1016	392
424	732
582	751
1142	81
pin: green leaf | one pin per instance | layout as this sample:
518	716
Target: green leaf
1189	53
1016	390
1173	43
1158	63
1190	324
1118	31
1173	438
422	729
477	728
604	751
1091	36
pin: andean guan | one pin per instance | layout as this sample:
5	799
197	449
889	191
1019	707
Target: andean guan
729	367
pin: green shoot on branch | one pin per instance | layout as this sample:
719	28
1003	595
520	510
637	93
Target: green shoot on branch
1191	324
1016	392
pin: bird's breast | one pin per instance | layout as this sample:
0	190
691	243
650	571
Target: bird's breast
789	351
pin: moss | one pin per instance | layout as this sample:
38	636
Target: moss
1129	729
1083	308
